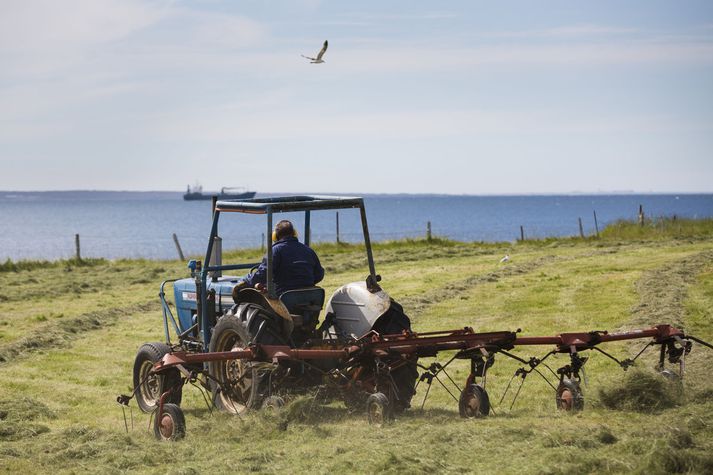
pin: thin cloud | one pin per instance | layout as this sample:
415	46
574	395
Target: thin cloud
429	15
233	124
361	19
567	31
41	37
41	25
405	58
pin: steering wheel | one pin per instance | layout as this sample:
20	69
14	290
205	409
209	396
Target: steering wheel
237	288
253	269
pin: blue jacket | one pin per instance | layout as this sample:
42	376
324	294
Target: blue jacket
294	266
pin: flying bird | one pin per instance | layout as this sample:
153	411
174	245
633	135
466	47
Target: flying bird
318	59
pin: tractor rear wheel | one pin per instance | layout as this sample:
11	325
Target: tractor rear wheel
238	385
149	387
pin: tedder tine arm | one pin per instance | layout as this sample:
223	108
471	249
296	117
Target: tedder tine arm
698	340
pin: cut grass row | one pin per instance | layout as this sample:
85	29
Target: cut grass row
59	413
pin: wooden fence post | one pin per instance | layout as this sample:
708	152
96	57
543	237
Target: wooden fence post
337	227
522	233
178	247
428	231
581	230
596	225
641	215
262	243
77	248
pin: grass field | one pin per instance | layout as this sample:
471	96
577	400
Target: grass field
69	332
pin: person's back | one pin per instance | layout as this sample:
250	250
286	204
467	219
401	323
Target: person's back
294	264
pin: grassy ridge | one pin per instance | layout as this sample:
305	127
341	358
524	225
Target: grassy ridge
660	229
11	266
69	335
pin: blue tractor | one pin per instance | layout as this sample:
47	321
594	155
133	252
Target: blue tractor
213	315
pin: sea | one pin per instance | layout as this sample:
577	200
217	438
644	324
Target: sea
113	225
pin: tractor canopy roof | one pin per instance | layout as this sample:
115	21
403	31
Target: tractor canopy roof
270	206
288	204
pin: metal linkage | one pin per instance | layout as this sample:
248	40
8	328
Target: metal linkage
367	365
523	372
431	372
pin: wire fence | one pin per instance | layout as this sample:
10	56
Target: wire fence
144	229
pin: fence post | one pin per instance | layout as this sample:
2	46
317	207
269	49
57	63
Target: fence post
428	231
581	230
76	247
596	225
641	215
178	247
522	233
262	243
337	227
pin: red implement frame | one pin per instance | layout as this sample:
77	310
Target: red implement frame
364	366
421	344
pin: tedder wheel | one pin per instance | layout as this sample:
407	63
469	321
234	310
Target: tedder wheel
405	376
569	396
149	387
170	424
273	403
474	401
236	384
671	375
378	409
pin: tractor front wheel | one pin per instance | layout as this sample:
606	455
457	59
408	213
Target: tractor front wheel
149	387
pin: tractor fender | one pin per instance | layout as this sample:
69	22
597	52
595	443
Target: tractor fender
356	309
250	295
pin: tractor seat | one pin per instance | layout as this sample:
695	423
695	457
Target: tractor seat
304	305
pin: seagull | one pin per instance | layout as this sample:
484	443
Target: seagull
505	259
318	59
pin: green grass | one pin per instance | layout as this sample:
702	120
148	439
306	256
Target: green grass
662	228
11	266
69	333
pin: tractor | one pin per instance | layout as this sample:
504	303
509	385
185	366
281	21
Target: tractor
214	315
252	349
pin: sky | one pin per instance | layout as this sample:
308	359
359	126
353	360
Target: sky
459	97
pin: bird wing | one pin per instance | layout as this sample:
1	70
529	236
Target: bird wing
324	49
308	57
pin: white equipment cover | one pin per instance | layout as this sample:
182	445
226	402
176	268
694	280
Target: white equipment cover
356	309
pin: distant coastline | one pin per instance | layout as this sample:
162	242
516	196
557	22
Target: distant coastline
290	193
140	224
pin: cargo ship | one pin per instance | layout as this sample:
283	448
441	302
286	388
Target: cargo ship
226	193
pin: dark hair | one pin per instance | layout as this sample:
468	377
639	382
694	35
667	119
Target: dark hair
284	229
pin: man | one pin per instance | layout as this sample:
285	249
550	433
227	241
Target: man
294	265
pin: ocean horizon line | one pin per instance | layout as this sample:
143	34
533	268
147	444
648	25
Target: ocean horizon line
382	194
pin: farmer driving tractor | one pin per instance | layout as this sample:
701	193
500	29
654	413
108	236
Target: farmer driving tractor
295	265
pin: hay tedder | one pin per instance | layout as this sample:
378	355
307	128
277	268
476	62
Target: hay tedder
249	349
